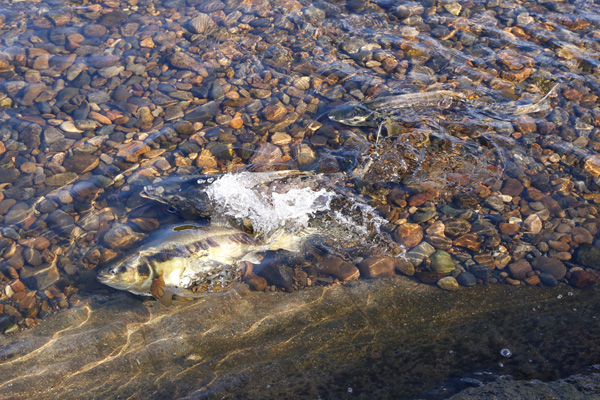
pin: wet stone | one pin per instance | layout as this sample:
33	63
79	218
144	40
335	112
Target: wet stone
482	272
550	266
81	163
122	237
61	222
376	267
279	275
61	179
336	266
470	241
457	227
408	235
32	256
581	279
533	224
417	254
203	113
519	269
405	267
448	283
441	262
588	256
494	202
256	282
466	279
17	213
9	175
548	279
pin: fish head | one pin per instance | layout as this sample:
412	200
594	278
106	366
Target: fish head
132	273
352	114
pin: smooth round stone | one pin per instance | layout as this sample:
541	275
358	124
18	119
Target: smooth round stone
448	283
81	163
441	262
28	168
466	279
550	266
548	279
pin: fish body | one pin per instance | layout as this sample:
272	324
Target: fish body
370	113
191	261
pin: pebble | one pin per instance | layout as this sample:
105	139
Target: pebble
448	283
520	269
336	266
122	237
548	279
201	23
441	262
466	279
256	282
587	255
81	163
377	267
550	266
581	279
409	235
420	252
533	224
279	275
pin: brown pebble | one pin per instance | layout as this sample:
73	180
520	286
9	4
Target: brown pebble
508	228
17	286
336	266
581	278
519	269
256	282
470	241
533	280
28	168
408	235
375	267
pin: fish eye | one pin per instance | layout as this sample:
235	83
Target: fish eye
112	271
172	210
176	199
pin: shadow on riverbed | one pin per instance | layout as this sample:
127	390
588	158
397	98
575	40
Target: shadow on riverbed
386	338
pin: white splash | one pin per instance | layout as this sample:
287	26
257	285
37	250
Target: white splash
237	196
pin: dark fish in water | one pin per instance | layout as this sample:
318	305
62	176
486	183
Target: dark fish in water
370	113
192	261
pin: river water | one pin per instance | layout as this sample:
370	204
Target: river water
436	208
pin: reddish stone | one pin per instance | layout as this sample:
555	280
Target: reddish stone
408	235
508	228
581	279
519	269
375	267
470	241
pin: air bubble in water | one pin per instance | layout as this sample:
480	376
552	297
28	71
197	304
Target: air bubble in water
559	296
570	294
349	390
505	353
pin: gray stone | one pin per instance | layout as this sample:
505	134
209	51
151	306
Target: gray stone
466	279
550	266
417	254
588	256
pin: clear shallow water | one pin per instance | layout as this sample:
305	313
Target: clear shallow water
98	100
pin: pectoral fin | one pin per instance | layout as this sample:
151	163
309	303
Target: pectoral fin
159	291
